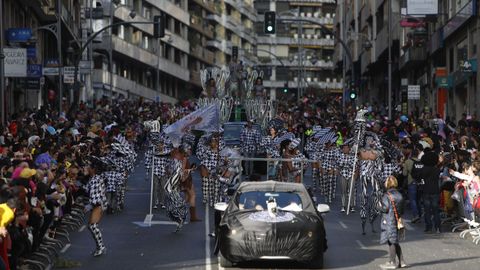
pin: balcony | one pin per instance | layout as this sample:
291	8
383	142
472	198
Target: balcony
126	86
148	58
366	60
72	24
203	54
307	40
206	4
413	56
320	64
381	41
244	8
328	84
171	9
220	45
199	24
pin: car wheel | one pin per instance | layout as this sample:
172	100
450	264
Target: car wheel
224	262
317	262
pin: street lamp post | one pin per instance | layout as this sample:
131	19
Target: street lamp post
389	98
2	72
60	56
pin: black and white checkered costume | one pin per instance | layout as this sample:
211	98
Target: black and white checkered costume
210	185
346	170
370	170
97	191
249	139
176	206
329	157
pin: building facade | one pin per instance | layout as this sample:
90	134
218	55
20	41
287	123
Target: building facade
300	54
33	33
436	53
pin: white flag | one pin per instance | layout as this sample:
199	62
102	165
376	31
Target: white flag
205	119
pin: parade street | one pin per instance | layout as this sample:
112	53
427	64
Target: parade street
133	245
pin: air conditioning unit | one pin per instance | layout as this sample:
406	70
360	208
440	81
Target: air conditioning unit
309	36
316	14
309	14
315	79
309	79
295	79
328	15
302	14
295	35
328	80
315	36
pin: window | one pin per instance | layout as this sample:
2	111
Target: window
146	42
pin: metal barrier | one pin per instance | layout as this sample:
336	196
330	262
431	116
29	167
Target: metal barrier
269	160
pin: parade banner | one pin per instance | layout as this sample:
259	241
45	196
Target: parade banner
205	119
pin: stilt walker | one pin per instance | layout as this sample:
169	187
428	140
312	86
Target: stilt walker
176	206
209	155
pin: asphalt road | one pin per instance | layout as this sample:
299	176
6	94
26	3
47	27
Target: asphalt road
133	245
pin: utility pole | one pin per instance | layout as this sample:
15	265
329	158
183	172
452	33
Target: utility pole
2	69
389	32
300	58
110	51
344	59
60	56
159	54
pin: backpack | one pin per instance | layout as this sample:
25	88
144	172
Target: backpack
417	173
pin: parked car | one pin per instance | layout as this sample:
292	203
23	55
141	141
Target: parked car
268	221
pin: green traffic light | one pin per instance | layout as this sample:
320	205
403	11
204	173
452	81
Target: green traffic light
353	95
285	90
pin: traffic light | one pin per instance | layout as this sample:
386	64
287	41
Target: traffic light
235	52
353	94
285	87
159	25
269	23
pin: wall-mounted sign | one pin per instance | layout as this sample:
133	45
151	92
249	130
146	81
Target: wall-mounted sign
19	34
422	7
15	62
414	92
34	71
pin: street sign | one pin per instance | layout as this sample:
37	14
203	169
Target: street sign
15	62
69	75
414	92
42	80
85	67
19	34
50	71
34	70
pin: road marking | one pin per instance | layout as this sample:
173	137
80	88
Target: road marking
362	246
343	225
208	255
65	248
144	224
82	228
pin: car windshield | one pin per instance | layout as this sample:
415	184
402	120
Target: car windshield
232	132
287	201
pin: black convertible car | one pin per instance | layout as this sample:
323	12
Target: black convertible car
269	221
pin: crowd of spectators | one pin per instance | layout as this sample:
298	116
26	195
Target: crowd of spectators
43	160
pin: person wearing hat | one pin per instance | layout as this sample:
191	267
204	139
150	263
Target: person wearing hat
329	156
346	171
292	170
160	165
249	141
209	155
97	202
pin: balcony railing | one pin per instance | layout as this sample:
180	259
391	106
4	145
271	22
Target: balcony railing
127	86
412	56
331	84
307	40
207	4
70	21
144	56
170	8
198	24
324	64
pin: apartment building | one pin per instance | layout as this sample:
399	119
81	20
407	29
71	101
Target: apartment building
436	51
233	22
24	28
299	54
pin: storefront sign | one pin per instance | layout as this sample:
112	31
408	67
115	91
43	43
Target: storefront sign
15	62
30	83
34	71
423	7
69	75
50	71
31	52
19	34
443	82
468	11
414	92
468	66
